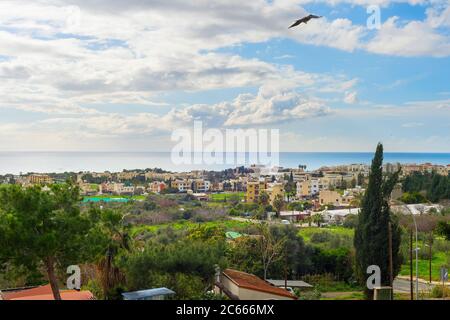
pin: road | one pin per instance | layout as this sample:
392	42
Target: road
267	221
403	286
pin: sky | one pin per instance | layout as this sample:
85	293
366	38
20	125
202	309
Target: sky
113	75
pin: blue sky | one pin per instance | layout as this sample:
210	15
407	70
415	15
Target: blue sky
78	75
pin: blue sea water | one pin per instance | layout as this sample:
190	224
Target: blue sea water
46	162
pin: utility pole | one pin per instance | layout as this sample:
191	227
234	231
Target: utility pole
285	267
391	265
417	260
417	253
411	263
430	252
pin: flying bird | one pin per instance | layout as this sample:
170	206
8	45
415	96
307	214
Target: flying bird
304	20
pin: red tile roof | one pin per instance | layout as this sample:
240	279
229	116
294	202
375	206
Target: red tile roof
252	282
45	293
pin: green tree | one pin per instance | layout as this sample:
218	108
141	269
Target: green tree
443	229
371	233
186	266
263	198
278	204
269	247
318	219
111	237
43	228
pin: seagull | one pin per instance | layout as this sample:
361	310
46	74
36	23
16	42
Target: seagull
304	20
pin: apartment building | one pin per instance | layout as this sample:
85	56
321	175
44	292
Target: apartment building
122	188
328	197
158	176
88	189
127	175
200	185
254	188
275	189
311	187
336	179
39	179
181	185
156	186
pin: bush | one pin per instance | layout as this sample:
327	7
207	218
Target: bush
321	237
350	221
413	198
440	292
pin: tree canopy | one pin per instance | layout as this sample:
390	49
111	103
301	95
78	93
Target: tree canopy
371	234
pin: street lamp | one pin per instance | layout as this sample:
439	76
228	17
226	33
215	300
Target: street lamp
417	254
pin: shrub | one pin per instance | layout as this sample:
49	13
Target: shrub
440	292
350	221
321	237
413	197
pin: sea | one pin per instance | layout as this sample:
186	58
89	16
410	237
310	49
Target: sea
51	162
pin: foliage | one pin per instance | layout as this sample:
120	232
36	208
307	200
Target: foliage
43	228
112	237
299	206
334	261
186	266
243	255
440	292
412	198
436	186
278	203
350	221
270	247
373	226
443	228
318	219
263	198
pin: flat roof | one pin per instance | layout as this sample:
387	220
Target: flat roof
143	294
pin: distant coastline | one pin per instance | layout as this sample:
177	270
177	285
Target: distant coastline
49	162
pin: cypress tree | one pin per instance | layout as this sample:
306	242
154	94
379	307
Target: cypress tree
372	232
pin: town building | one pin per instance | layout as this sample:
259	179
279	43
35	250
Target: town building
275	189
254	188
181	185
44	293
42	179
238	285
310	187
156	186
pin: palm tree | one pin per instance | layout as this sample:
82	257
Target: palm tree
278	204
318	218
117	239
263	198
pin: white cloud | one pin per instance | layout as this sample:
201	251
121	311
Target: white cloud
415	38
351	97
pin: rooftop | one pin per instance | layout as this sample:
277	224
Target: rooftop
45	293
147	294
252	282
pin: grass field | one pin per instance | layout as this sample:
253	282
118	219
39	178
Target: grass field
223	197
439	259
307	232
228	225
